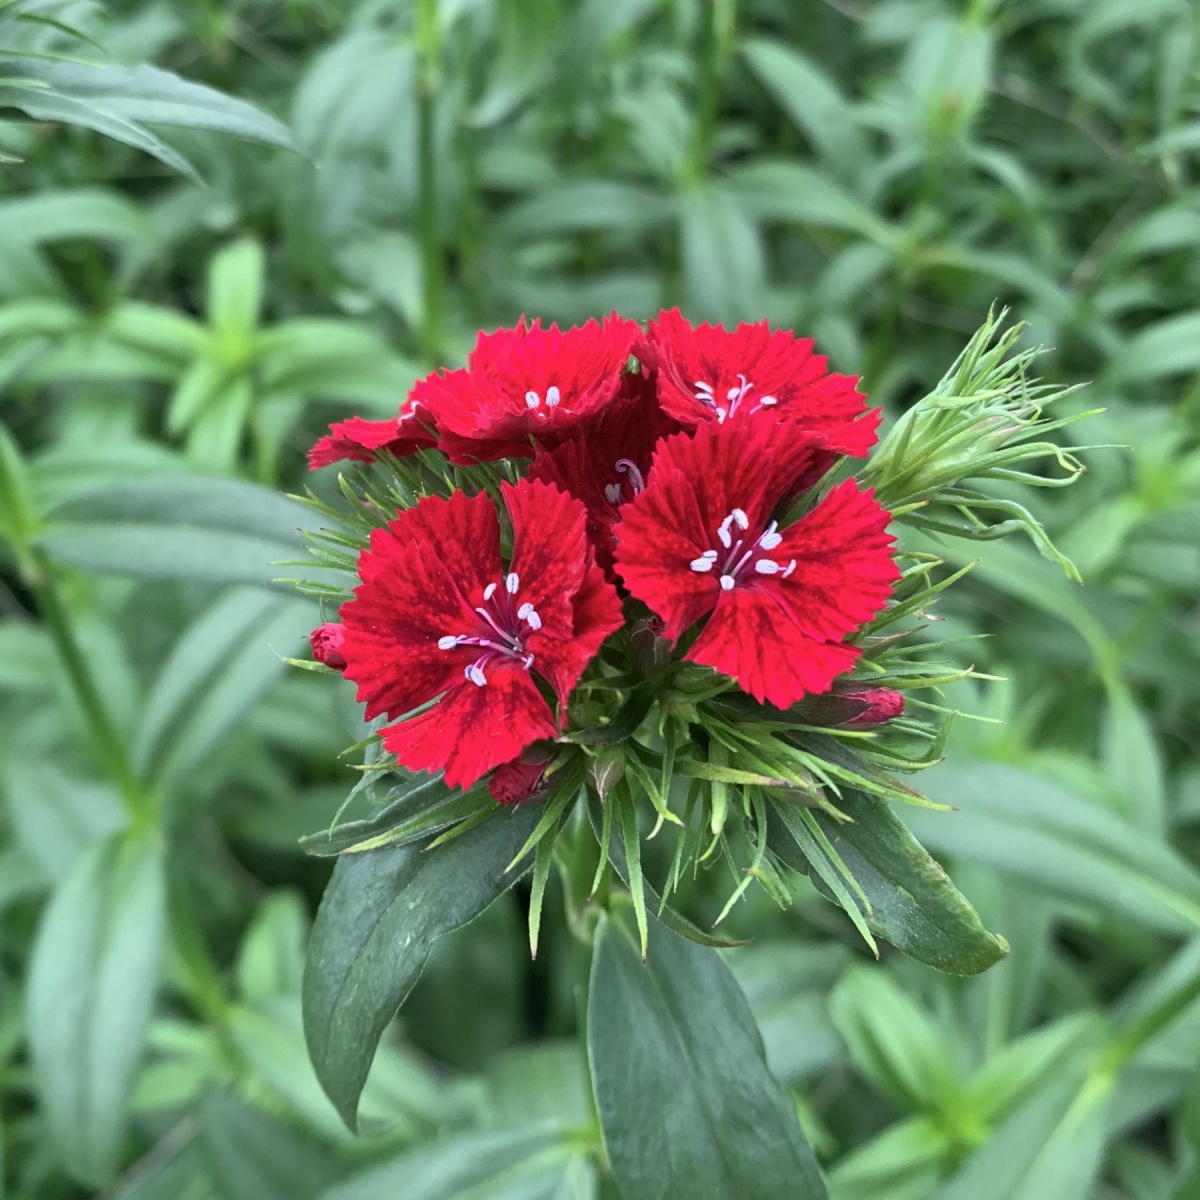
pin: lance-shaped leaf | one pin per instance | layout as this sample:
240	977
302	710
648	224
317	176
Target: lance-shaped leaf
92	981
910	899
373	932
686	1103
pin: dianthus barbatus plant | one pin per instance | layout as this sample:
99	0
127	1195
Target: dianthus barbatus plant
613	587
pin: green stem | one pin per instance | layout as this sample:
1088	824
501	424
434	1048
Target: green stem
107	741
428	62
716	40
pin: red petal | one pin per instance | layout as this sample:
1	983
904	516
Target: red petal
826	408
550	549
406	602
421	579
488	404
597	614
659	535
473	729
359	438
750	639
844	564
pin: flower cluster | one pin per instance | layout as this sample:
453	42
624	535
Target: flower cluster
607	475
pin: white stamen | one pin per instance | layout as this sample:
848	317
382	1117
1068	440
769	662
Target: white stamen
771	538
768	402
721	415
701	386
701	565
449	642
532	399
765	566
612	493
529	615
733	394
512	582
727	583
490	590
553	396
475	674
790	568
723	532
740	517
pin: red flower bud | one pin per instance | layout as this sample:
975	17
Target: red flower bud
879	705
327	644
520	779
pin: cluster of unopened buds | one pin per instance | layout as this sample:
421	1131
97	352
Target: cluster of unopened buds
611	508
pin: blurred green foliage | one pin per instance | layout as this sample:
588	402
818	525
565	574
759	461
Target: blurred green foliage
875	174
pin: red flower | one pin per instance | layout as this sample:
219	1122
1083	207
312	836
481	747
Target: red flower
440	621
526	383
879	705
521	779
607	464
707	373
854	705
327	644
700	541
359	438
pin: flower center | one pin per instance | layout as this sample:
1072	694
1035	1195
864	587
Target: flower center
733	398
535	402
637	482
505	624
739	557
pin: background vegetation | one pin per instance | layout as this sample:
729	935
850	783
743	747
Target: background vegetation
181	312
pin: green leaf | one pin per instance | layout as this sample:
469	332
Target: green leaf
1057	842
270	960
235	291
902	1163
528	1163
54	215
419	807
686	1103
182	527
57	817
252	1156
892	1040
810	99
378	918
216	671
1051	1146
912	901
120	101
92	981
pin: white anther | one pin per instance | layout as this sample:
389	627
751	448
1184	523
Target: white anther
475	674
721	415
727	583
553	396
790	568
771	538
704	564
449	642
740	517
512	582
532	399
529	615
765	566
490	590
612	493
724	534
768	402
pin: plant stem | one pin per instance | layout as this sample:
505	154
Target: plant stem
107	741
428	65
716	39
